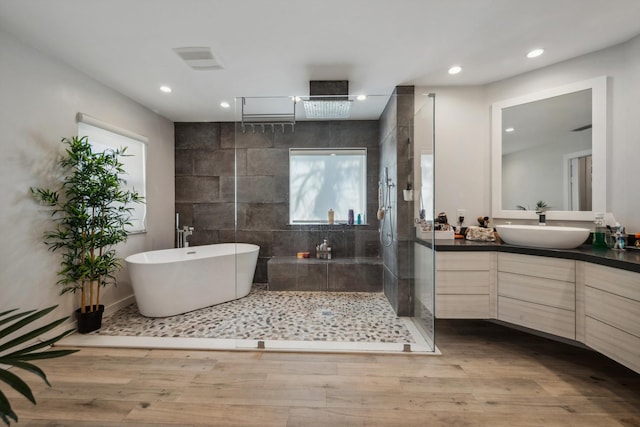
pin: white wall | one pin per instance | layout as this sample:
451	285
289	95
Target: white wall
461	150
463	130
38	106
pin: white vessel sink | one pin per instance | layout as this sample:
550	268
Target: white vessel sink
543	236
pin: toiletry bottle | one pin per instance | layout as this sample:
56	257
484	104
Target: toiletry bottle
359	220
330	216
350	220
599	232
323	249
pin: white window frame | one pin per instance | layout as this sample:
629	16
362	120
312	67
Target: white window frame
103	136
340	215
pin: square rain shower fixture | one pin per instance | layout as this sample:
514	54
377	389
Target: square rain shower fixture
329	99
327	109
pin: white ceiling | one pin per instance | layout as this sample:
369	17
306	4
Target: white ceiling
274	47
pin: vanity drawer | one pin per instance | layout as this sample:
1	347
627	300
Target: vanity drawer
619	282
619	312
470	261
530	265
614	343
556	321
554	293
463	282
463	307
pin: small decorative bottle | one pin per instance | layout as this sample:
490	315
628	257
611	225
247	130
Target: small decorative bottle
324	247
359	220
350	217
331	216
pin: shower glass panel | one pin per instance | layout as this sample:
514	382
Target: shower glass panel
345	130
291	150
424	255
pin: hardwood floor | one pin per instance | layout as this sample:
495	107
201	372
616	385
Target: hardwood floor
488	375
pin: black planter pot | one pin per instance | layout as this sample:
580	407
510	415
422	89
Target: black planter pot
89	321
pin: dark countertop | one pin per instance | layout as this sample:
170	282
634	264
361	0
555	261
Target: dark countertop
628	259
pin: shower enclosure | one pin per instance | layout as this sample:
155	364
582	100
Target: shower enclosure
308	170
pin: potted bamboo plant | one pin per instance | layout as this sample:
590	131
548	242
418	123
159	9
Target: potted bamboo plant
90	210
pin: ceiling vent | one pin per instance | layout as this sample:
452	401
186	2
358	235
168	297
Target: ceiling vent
328	99
198	58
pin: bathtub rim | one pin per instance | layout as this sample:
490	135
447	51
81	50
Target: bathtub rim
139	257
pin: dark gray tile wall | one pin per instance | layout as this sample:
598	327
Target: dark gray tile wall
396	153
336	275
206	156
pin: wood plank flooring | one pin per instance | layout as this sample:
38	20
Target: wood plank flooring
488	375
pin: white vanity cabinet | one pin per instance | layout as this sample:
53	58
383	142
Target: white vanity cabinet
612	310
579	300
465	285
538	293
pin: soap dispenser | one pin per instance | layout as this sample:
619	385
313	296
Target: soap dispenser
599	232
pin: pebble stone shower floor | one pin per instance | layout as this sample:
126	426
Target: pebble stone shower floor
274	315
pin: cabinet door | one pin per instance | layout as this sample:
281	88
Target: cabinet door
465	285
463	307
552	320
612	313
614	343
619	282
538	266
457	261
539	290
538	293
619	312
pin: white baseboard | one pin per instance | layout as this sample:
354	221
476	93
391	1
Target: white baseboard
115	306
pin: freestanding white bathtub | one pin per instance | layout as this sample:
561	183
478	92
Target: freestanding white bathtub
174	281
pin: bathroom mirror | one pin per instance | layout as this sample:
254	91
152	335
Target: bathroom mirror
550	147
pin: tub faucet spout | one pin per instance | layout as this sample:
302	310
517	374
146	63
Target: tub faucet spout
179	238
186	232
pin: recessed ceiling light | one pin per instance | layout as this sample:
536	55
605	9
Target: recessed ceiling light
535	53
509	129
455	69
361	97
225	104
165	89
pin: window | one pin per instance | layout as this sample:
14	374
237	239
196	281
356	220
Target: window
323	179
103	136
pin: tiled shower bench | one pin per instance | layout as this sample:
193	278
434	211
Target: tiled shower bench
335	275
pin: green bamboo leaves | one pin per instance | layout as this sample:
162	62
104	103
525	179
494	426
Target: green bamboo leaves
11	353
91	211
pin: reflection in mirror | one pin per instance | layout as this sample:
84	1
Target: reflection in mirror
550	148
541	142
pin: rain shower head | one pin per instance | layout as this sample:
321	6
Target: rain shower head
329	99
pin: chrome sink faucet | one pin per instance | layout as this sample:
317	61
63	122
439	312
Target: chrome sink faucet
542	218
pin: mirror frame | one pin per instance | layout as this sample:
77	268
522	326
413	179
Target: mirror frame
598	88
